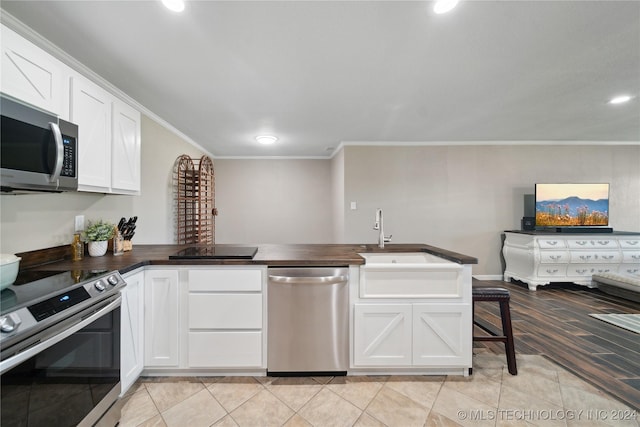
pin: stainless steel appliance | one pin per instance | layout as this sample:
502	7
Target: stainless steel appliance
308	318
60	348
39	151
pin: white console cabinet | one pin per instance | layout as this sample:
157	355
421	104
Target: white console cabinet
541	258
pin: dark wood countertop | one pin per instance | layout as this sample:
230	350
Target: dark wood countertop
311	255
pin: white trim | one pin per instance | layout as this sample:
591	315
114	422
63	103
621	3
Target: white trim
480	143
36	38
488	277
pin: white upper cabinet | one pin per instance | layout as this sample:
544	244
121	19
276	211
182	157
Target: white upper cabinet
31	75
91	111
109	140
125	150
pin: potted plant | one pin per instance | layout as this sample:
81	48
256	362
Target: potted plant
97	235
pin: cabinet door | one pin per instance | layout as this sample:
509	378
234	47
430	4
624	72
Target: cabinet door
132	330
125	159
30	74
382	335
442	335
161	318
91	111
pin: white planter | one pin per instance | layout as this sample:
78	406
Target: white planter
98	248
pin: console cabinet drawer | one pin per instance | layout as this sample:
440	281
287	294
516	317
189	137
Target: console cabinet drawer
550	257
551	243
592	243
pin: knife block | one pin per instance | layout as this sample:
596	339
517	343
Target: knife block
128	245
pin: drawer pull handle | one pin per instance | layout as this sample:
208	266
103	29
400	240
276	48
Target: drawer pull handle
581	271
632	271
585	257
632	242
550	271
607	256
582	242
555	257
603	242
553	243
635	256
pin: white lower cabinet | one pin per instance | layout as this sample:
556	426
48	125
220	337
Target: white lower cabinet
161	321
412	335
225	318
204	319
132	330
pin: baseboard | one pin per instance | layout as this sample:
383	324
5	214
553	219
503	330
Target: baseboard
488	277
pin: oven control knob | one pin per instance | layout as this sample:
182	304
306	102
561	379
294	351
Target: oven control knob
113	280
9	323
99	286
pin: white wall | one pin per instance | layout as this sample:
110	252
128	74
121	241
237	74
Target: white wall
337	190
462	197
273	201
35	221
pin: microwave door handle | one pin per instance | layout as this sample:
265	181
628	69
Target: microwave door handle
57	137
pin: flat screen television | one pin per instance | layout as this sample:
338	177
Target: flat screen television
572	205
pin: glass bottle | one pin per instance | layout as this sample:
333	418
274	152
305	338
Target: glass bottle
118	242
77	248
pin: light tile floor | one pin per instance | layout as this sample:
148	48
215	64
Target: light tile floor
542	393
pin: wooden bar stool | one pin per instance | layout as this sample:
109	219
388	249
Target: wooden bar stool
500	295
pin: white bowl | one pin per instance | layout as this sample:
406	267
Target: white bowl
9	266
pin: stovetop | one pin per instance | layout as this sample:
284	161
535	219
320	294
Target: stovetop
32	286
216	252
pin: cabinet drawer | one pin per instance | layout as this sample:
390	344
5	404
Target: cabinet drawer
557	270
550	243
587	270
225	349
629	269
225	280
581	257
630	243
225	311
631	256
592	243
551	257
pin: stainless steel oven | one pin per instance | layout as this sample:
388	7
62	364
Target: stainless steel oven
60	354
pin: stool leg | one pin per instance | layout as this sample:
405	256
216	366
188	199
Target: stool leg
509	347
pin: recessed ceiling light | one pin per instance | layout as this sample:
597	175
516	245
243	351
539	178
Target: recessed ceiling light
444	6
620	99
174	5
266	139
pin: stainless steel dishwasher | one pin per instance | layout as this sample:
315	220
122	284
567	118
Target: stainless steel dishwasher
308	318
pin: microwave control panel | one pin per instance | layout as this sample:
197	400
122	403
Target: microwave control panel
69	158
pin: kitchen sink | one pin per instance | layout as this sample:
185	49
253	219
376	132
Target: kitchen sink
410	275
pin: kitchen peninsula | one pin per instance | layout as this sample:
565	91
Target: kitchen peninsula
410	307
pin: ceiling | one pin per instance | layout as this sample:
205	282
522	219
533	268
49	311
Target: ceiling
321	73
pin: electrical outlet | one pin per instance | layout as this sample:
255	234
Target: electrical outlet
79	223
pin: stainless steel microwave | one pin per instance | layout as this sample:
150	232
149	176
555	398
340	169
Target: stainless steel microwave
38	151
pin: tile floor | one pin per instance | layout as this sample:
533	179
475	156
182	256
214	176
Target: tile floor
542	393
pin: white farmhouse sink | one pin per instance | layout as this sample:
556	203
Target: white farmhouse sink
411	275
403	258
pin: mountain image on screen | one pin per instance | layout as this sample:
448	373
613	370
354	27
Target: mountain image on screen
572	211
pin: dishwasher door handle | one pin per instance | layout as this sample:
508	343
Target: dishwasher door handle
309	280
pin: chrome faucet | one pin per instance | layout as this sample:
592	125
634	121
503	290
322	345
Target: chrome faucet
379	225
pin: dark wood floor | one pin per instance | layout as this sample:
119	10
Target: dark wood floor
554	321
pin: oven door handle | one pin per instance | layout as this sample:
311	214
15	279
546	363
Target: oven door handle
26	354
